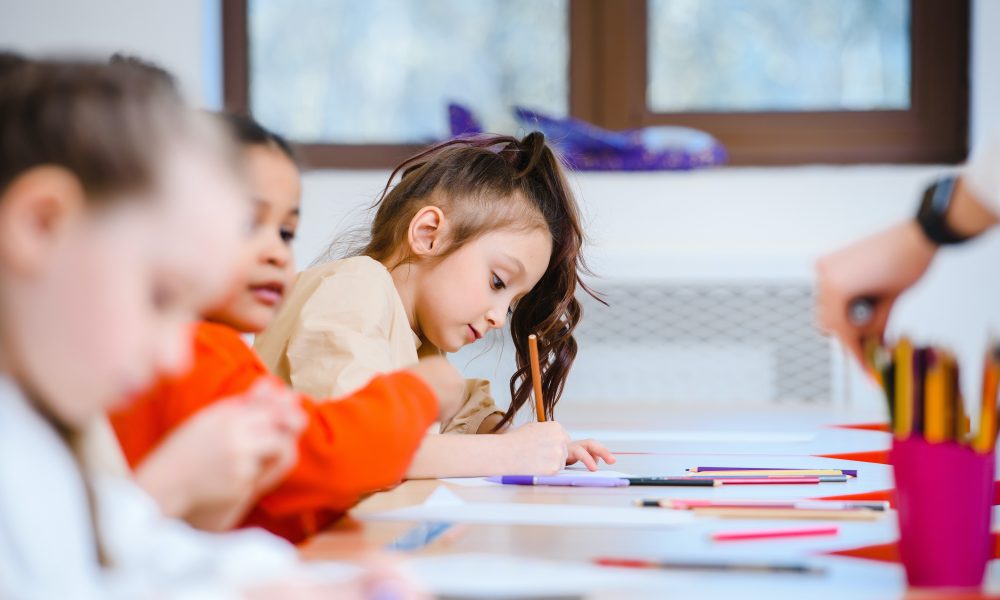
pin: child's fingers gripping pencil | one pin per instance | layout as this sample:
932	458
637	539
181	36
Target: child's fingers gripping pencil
536	377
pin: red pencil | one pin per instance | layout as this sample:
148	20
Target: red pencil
759	534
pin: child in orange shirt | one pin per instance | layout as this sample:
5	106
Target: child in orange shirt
356	445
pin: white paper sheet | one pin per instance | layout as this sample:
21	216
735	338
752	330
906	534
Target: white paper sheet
444	506
482	575
711	437
496	576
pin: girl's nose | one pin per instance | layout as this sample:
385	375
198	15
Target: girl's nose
278	253
493	320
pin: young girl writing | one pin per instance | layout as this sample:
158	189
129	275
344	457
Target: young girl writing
356	445
119	217
476	232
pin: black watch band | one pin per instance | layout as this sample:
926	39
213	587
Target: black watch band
933	214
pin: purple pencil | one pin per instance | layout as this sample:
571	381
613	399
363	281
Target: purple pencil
848	472
568	481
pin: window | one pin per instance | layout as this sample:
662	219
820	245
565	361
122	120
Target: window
382	71
364	83
777	55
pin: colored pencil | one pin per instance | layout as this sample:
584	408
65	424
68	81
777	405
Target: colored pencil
559	480
768	472
986	437
960	420
536	377
889	387
770	480
822	478
935	400
848	472
922	386
919	377
904	389
675	481
789	513
762	534
953	412
636	563
690	503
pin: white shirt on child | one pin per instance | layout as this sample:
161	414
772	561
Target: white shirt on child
47	547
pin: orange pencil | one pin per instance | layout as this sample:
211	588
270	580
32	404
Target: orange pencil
536	377
986	438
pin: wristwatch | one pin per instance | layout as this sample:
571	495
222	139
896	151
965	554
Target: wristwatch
933	214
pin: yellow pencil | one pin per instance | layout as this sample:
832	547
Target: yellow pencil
904	389
779	513
992	394
770	472
935	394
536	377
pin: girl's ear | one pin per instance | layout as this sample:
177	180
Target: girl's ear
35	210
427	230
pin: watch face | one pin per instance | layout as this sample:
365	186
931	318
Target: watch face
941	192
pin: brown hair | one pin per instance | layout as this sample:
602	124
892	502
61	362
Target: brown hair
495	182
108	125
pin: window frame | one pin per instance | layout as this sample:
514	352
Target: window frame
605	34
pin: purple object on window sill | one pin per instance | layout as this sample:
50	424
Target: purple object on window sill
586	147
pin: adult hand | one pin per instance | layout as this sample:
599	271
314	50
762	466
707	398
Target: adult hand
880	268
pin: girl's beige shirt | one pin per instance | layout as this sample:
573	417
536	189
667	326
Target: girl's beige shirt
342	324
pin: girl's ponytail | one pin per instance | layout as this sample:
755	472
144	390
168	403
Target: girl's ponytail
550	310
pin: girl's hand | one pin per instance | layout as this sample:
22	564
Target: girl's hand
288	420
587	452
218	460
538	448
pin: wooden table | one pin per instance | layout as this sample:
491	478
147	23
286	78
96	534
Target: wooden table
845	577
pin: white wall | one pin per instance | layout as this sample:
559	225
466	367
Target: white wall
730	222
168	32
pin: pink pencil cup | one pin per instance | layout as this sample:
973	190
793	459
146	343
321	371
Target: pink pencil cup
944	499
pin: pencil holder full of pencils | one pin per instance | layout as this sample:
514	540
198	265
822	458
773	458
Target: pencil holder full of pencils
944	499
943	470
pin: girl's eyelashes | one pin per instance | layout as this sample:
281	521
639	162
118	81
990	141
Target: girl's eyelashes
497	283
287	234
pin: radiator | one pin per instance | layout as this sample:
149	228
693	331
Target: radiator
699	342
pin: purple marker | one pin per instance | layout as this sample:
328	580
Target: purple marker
560	480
